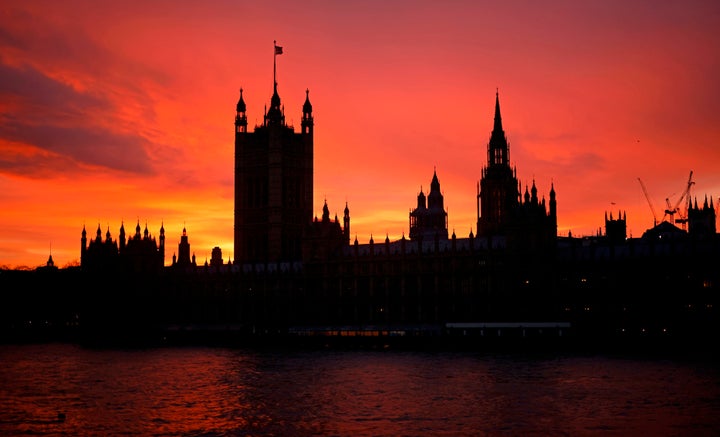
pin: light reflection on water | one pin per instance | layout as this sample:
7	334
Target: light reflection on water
218	391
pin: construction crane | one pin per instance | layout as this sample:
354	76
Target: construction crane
672	210
669	210
685	195
652	208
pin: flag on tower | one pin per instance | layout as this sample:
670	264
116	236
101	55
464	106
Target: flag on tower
278	50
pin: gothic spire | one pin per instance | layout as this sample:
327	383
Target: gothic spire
498	149
307	118
326	212
435	183
498	119
240	116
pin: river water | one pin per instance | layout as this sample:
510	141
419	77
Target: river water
65	389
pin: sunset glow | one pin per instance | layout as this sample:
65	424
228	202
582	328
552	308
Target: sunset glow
123	112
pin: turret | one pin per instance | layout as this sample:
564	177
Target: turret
533	194
83	244
346	224
435	197
183	258
161	248
307	117
122	237
240	115
326	213
429	218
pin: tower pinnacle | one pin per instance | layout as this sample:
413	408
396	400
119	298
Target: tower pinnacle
498	149
498	119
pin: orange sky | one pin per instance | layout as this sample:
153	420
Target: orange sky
125	111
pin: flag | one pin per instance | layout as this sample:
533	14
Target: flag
278	50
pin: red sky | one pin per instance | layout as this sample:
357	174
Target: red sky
124	111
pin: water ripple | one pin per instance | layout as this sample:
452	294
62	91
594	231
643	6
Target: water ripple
60	389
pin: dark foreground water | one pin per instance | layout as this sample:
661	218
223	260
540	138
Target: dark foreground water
61	389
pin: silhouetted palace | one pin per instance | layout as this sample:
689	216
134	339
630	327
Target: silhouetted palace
298	276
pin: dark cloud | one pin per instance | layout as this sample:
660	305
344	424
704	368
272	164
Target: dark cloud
8	39
37	92
580	165
91	145
52	116
35	164
34	39
63	91
588	161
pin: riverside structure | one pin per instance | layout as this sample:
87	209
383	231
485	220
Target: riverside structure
296	276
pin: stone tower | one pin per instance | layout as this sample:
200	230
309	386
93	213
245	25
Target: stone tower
273	183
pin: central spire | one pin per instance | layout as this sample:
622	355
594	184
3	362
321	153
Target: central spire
498	145
498	118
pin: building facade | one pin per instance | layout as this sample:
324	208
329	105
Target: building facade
290	271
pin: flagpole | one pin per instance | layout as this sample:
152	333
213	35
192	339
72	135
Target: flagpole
276	51
274	62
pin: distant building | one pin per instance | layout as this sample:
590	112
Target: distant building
49	265
216	258
325	238
616	229
429	219
701	220
183	259
291	270
140	253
